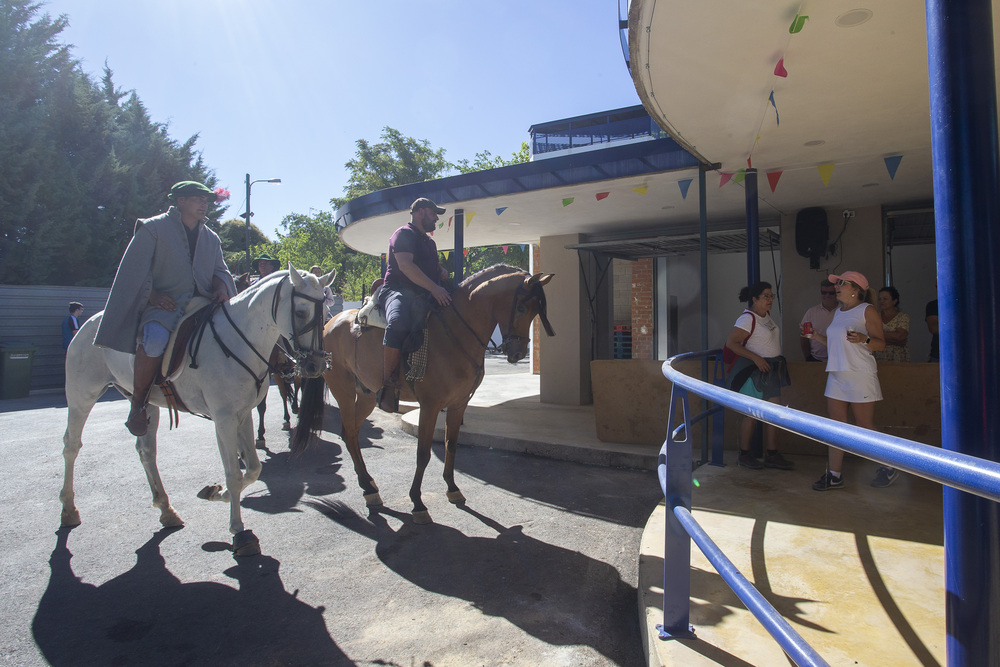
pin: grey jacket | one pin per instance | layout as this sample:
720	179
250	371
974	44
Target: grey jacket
158	257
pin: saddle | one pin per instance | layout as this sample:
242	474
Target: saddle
414	347
197	313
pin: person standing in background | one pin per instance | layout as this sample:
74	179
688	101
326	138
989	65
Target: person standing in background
820	317
72	323
896	325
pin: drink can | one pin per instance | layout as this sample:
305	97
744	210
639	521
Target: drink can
807	330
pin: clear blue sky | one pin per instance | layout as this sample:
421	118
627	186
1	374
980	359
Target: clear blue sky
284	88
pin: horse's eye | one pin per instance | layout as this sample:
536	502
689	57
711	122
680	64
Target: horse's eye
521	308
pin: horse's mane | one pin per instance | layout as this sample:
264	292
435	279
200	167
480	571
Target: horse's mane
487	275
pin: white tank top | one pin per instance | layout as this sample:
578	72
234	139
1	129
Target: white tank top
845	356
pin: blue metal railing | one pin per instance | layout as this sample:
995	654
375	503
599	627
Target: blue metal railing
959	471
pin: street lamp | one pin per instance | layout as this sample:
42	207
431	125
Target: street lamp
248	214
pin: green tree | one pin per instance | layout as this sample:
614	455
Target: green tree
487	160
79	161
233	234
395	160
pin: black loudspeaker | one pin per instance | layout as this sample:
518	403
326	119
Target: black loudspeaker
812	231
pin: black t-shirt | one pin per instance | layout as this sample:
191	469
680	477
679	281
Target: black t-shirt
424	250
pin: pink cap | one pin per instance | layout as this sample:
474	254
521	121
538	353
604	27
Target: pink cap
853	276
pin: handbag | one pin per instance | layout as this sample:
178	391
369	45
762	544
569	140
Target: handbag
728	356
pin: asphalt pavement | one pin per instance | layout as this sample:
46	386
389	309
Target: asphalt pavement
538	568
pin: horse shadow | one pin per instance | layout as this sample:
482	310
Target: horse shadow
316	472
554	594
147	616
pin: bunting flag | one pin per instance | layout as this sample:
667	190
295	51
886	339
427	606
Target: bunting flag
779	69
724	178
504	249
772	179
441	225
501	210
684	185
468	218
524	246
749	164
568	201
825	172
449	221
797	24
756	141
640	190
777	121
739	176
446	253
892	164
465	252
602	195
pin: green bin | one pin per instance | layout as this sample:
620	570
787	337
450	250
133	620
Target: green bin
15	369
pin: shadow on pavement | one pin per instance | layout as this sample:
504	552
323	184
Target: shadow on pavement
147	616
559	596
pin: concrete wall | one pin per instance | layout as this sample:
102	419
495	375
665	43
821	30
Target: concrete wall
565	358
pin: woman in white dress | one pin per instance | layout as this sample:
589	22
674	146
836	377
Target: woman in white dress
852	375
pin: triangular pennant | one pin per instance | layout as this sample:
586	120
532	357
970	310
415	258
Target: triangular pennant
772	179
468	218
739	176
504	249
640	190
749	164
524	246
779	69
724	178
892	164
797	24
501	210
825	171
684	185
777	121
441	225
447	253
602	195
449	221
465	252
567	201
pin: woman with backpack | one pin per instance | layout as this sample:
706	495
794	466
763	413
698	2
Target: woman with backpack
755	367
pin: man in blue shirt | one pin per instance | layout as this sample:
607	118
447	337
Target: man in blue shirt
412	271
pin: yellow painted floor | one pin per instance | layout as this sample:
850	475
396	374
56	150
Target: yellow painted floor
858	572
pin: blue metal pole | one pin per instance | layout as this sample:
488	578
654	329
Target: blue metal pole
967	223
674	470
753	225
459	259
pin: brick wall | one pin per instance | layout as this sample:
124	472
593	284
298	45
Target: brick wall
642	309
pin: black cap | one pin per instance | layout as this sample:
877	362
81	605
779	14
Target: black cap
424	202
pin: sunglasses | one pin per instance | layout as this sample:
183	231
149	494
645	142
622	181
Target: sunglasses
841	283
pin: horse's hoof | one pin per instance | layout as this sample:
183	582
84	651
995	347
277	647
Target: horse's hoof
70	519
210	491
456	498
171	519
245	543
373	499
261	444
286	426
422	517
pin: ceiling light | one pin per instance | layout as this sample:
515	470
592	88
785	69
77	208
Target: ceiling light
853	18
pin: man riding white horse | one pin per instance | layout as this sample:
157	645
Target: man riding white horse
171	258
412	270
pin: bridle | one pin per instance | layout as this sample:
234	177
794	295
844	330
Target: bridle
295	353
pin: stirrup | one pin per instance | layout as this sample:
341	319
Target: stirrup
394	404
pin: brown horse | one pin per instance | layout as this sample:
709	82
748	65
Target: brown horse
458	336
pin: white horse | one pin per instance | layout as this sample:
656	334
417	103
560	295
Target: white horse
229	380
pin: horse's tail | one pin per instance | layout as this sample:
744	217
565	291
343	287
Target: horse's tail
311	407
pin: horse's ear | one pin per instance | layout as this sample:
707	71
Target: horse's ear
539	279
296	277
327	280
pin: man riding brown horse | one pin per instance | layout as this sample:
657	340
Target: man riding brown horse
412	272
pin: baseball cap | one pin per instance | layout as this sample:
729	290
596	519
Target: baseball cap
852	276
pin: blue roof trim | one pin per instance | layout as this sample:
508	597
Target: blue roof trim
645	157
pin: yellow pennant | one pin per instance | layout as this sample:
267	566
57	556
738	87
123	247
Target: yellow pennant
825	172
640	190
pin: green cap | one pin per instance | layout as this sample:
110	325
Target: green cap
190	189
267	258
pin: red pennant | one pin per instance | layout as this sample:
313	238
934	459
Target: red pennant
749	166
602	195
465	252
779	69
772	179
725	179
504	249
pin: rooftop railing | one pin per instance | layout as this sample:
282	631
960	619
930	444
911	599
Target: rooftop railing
960	471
